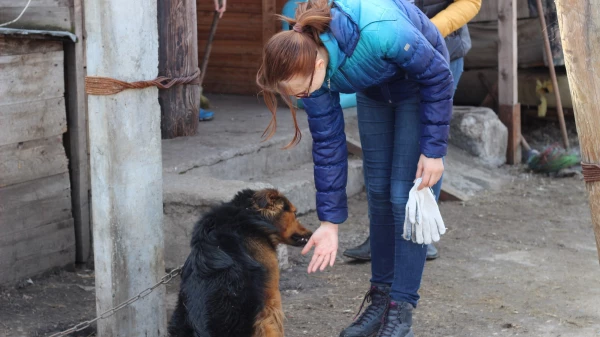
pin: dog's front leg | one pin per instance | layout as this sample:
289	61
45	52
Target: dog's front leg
269	322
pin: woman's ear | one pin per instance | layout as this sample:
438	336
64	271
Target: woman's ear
320	64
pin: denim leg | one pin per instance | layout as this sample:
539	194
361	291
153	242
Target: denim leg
456	68
376	128
409	256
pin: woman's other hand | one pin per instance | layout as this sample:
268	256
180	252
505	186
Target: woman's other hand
430	169
325	241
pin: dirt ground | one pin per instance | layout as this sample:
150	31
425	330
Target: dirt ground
518	262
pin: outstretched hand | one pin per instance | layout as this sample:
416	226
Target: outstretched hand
325	241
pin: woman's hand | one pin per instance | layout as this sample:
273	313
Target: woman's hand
430	169
325	240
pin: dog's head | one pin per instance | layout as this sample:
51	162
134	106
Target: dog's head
282	213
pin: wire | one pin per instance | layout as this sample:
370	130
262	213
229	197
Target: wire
18	17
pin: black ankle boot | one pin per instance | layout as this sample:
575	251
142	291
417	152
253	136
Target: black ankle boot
361	252
398	321
368	323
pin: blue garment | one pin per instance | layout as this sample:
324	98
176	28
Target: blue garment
389	50
456	67
390	156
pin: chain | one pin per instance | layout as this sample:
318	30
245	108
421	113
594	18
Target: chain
85	324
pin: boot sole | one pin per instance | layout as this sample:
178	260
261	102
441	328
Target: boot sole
356	257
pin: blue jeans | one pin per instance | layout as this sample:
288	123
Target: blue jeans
389	134
456	68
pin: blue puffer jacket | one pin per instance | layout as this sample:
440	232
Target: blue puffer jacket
384	46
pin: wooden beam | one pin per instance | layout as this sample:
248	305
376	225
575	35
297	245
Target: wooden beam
510	111
178	57
126	167
76	141
579	34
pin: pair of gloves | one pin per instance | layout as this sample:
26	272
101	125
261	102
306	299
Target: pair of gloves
423	223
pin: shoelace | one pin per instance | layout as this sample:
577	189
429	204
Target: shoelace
370	312
388	325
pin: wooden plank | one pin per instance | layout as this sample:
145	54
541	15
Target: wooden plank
254	7
579	35
10	46
76	140
30	252
22	122
42	17
230	88
268	19
35	203
484	38
220	60
31	77
177	57
489	11
507	77
471	91
32	160
238	47
239	81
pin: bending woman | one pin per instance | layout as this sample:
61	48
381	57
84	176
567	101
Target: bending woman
394	58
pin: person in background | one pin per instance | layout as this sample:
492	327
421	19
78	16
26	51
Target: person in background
204	114
450	17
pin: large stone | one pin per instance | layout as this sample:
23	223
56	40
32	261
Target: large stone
479	131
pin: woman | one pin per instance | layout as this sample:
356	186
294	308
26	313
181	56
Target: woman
391	54
451	18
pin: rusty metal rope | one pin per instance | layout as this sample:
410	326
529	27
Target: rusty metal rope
591	172
96	85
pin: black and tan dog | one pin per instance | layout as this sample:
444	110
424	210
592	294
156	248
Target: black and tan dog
230	281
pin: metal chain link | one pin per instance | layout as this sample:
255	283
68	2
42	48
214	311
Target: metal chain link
85	324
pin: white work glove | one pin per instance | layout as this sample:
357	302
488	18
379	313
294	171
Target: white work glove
412	216
432	218
423	222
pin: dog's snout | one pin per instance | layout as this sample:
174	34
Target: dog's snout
301	240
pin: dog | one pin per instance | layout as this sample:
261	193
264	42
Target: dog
230	280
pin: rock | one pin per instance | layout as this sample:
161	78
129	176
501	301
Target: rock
282	257
479	131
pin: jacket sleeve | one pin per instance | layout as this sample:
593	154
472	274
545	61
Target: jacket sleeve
421	52
330	154
458	14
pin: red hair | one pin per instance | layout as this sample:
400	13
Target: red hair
291	53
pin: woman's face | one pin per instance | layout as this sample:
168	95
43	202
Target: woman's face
302	86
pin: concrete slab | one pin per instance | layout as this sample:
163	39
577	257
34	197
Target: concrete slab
236	130
227	155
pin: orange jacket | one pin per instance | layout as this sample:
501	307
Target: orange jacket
456	15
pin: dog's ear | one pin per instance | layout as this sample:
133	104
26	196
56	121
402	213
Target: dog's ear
268	199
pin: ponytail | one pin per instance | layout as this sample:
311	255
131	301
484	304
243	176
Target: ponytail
291	53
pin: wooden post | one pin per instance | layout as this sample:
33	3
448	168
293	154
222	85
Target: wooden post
578	30
77	138
126	168
508	104
178	57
